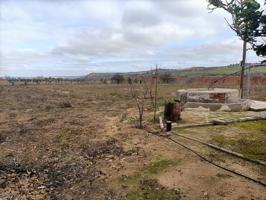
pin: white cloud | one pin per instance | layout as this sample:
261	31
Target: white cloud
115	33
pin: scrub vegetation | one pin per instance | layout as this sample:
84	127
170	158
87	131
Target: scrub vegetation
78	141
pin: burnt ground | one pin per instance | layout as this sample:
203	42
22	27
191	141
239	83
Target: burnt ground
80	142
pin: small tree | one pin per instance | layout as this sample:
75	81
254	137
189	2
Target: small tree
149	89
246	15
167	78
138	92
117	78
129	80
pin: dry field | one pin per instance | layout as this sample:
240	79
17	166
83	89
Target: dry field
81	142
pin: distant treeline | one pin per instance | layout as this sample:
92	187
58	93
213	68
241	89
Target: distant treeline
192	75
38	81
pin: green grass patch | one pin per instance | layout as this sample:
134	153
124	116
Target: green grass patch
151	189
158	166
222	140
250	139
154	168
67	134
144	186
116	94
259	127
132	120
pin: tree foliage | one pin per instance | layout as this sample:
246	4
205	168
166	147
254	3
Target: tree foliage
167	77
117	78
248	21
260	46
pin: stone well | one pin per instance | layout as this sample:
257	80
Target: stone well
212	99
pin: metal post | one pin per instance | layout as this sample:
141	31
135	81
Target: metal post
248	82
243	63
155	95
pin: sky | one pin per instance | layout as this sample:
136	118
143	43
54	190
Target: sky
78	37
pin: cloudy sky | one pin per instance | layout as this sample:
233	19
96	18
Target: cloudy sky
77	37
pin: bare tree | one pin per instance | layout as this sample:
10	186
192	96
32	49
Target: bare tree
139	95
129	80
151	88
148	85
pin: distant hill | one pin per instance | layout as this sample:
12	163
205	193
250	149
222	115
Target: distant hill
191	72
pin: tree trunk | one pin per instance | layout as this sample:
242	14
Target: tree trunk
141	110
243	64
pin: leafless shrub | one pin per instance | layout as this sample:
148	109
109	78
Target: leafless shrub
65	104
139	92
149	90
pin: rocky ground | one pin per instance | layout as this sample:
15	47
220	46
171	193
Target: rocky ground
81	142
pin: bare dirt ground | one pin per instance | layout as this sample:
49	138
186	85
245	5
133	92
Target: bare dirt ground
80	142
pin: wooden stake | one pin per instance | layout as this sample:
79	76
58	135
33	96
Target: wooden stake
155	95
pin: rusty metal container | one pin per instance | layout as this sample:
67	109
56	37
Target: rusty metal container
172	112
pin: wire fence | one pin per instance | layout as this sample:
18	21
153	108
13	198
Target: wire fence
255	82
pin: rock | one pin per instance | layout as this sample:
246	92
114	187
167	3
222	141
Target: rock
198	109
2	183
28	110
124	177
65	104
219	122
206	195
257	105
225	108
235	107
